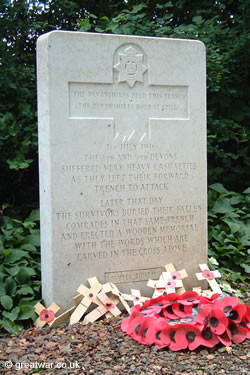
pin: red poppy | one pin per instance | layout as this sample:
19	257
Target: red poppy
225	339
124	324
182	311
218	321
189	298
134	325
47	315
235	332
109	305
176	275
208	274
238	313
203	315
227	304
170	298
208	338
151	310
246	318
151	330
243	325
135	312
167	338
168	312
162	300
136	300
209	300
188	336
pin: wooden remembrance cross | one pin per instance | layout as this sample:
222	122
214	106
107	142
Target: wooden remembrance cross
125	117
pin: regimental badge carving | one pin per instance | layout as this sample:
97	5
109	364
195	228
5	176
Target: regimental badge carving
130	66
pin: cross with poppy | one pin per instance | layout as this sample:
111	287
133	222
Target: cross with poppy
116	292
46	316
164	285
107	306
177	275
66	315
135	297
210	276
89	297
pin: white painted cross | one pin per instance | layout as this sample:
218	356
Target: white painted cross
210	276
135	297
164	285
177	275
89	297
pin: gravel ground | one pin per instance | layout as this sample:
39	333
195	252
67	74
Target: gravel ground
102	348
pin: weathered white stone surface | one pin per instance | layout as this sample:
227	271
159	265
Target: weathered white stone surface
122	148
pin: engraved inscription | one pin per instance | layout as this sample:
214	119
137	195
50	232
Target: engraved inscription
133	216
133	276
88	100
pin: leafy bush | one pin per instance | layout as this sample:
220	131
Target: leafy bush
19	271
229	230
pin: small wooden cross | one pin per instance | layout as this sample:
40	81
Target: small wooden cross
107	306
135	297
182	274
89	297
210	276
67	314
46	316
113	288
164	285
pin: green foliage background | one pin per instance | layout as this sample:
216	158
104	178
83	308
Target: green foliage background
223	25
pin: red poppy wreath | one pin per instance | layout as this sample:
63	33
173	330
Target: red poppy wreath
187	321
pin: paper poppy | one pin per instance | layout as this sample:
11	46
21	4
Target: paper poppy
208	338
168	312
151	310
189	298
109	305
188	336
126	323
176	322
209	300
170	284
208	274
243	325
236	333
203	315
225	339
217	321
151	330
176	275
47	315
167	338
237	313
136	299
182	310
134	324
227	304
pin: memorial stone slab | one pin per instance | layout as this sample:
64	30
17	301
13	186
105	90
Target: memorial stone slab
122	159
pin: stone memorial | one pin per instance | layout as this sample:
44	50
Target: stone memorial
122	155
